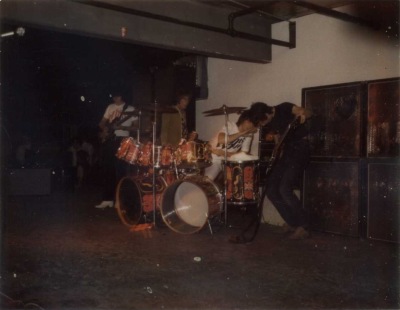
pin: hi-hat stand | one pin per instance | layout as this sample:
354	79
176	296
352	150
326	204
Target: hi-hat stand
153	163
156	160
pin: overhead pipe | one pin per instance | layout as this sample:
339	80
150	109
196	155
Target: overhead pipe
261	12
239	34
250	10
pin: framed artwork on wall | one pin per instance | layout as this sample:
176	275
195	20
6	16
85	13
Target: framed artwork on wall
335	127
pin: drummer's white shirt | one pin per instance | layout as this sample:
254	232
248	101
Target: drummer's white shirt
241	143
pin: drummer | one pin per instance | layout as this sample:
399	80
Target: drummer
238	140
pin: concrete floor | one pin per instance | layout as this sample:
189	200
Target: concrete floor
59	252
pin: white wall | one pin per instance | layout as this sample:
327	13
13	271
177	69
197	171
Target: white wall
329	51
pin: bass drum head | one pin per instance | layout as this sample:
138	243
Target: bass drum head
186	204
128	202
191	204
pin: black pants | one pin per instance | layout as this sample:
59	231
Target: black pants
113	169
284	177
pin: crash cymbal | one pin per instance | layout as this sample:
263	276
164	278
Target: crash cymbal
160	109
224	110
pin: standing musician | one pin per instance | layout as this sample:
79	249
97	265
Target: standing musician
115	125
289	166
174	125
239	138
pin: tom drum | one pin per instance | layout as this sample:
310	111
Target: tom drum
193	154
128	150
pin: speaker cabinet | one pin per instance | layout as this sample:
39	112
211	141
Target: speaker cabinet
331	196
384	202
29	182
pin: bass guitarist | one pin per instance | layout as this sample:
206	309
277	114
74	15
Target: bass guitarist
118	121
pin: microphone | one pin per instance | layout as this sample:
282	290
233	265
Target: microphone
20	31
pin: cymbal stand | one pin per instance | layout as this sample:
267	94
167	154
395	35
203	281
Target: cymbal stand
176	170
139	126
138	136
153	164
224	166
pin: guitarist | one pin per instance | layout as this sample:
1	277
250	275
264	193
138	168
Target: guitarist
114	126
289	165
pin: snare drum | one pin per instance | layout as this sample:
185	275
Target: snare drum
193	154
187	204
134	197
128	150
242	180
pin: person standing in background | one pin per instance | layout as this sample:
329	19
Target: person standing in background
174	125
115	125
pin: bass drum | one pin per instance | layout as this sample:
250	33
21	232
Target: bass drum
187	204
134	198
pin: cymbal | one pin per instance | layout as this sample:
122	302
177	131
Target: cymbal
224	110
161	109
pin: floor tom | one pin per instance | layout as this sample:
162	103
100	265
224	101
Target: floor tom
242	181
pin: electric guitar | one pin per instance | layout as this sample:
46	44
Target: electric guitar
276	152
108	132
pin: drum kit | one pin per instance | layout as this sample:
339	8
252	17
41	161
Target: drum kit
171	184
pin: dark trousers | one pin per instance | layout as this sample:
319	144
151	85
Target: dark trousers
284	177
113	169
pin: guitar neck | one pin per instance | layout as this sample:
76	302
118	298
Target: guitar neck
277	148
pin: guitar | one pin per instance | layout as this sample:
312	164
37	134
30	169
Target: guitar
276	152
108	132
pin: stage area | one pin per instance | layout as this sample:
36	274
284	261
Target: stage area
59	252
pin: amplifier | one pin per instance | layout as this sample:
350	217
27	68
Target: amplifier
29	182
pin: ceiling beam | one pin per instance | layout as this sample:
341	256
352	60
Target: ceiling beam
335	14
118	24
239	34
